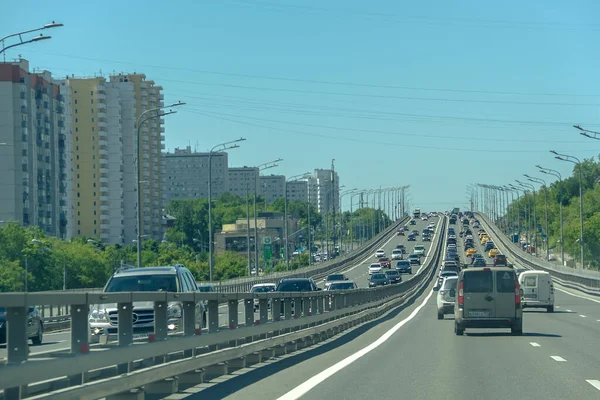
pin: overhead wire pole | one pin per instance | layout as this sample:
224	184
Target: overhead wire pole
557	174
221	147
285	212
543	182
351	220
576	161
261	167
534	224
143	117
349	191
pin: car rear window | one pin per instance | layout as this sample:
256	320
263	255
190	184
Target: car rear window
295	286
505	281
477	282
450	284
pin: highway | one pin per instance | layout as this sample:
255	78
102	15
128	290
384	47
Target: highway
359	273
411	354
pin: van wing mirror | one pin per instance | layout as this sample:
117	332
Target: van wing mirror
436	288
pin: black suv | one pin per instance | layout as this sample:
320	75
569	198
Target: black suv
296	285
103	318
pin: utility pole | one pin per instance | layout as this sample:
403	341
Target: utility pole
333	207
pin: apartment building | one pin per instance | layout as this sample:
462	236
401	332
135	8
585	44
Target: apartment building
34	150
187	174
324	190
297	191
272	187
243	181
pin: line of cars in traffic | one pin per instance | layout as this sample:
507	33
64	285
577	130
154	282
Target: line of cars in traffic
487	296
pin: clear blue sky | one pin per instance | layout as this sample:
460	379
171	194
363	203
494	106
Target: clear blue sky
397	92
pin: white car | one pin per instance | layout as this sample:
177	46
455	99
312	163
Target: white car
419	250
446	296
375	268
262	288
380	253
397	254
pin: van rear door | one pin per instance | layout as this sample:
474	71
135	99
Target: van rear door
530	287
478	290
505	294
545	289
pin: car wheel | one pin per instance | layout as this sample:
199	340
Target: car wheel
458	330
440	315
39	337
550	308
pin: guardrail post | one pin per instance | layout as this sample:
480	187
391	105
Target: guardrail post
160	320
189	323
125	330
320	304
298	307
232	306
249	312
213	316
17	345
287	308
263	310
313	306
276	309
79	336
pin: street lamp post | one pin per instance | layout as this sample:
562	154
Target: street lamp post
143	117
286	233
557	174
534	225
351	224
349	191
543	182
575	160
261	167
221	147
22	42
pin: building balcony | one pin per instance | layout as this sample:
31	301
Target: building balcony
103	189
162	146
105	227
100	96
103	208
161	96
102	143
103	152
104	236
103	161
101	124
103	180
101	108
102	133
104	217
103	171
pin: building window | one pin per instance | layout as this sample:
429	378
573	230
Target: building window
94	194
78	204
76	129
77	138
78	178
76	120
94	222
75	101
92	101
75	111
78	232
78	188
92	110
91	92
78	156
93	166
78	194
77	166
94	212
78	222
94	231
92	119
93	129
93	156
94	203
95	186
76	147
93	147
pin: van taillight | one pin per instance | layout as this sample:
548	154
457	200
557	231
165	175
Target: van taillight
517	293
461	297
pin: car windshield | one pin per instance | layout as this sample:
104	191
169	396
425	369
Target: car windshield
338	277
341	286
142	283
402	263
419	248
262	289
205	289
375	266
378	276
392	272
295	286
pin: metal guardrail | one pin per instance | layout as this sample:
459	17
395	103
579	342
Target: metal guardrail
584	280
95	372
245	284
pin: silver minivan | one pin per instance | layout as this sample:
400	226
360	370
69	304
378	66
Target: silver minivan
488	297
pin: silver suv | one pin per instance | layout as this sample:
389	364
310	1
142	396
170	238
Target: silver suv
103	318
488	297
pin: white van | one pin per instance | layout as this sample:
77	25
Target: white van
538	290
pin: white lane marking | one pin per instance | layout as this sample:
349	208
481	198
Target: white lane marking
598	320
569	311
534	344
558	358
594	382
576	295
303	388
557	306
582	316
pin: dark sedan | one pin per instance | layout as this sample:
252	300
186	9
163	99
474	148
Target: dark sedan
378	280
412	238
35	326
404	267
394	276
